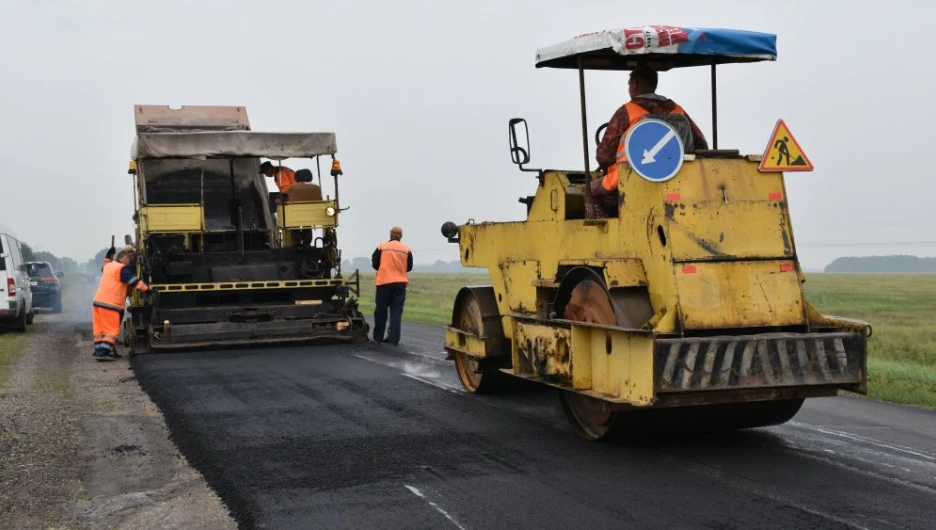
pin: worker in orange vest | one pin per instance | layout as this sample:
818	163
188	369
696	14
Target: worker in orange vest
392	260
644	101
109	300
282	176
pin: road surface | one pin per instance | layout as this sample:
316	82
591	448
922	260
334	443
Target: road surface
372	436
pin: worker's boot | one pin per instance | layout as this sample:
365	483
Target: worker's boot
604	202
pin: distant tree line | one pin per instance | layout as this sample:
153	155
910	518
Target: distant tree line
59	264
910	264
64	264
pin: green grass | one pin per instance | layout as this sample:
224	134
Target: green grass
900	308
11	344
429	297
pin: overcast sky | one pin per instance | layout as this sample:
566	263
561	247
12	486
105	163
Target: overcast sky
419	94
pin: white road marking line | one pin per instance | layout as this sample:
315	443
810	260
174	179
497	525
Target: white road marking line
808	451
865	439
437	508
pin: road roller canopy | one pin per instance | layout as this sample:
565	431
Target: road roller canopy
659	47
232	144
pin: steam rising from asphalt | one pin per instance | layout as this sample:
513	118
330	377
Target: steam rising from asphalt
76	300
420	370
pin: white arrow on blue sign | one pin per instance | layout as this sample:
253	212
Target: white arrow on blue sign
654	150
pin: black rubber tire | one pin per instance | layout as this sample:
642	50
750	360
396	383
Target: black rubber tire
478	376
57	307
20	324
703	419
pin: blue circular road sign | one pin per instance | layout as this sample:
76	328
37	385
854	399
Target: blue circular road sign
654	149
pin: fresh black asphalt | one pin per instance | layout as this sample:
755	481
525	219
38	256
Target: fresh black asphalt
367	436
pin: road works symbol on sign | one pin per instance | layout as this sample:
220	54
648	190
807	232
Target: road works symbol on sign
783	152
654	150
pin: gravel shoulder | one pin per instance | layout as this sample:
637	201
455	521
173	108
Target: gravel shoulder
82	446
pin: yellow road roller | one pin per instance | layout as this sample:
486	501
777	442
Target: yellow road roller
678	304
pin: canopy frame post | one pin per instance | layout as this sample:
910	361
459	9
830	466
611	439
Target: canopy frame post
589	200
714	109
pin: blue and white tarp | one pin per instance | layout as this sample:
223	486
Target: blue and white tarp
677	46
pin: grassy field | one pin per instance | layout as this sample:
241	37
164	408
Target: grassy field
429	298
902	351
11	344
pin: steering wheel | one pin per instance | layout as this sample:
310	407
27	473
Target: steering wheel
598	135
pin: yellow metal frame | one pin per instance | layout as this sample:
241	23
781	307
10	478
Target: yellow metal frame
613	364
468	343
712	248
172	218
294	215
600	361
246	286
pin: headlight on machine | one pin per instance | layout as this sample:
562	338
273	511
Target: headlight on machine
330	211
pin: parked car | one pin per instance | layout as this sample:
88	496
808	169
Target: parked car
16	308
44	281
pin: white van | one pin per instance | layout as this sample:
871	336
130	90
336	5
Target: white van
15	294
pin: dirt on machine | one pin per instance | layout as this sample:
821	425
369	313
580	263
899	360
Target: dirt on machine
678	304
230	263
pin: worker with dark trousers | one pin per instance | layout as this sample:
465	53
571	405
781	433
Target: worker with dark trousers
392	260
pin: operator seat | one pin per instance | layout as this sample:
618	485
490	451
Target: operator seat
682	126
303	189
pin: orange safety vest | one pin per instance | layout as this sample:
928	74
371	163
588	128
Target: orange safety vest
394	257
634	114
284	178
112	291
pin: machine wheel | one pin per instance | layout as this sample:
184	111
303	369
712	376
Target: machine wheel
583	297
21	322
706	418
57	307
31	316
589	415
476	312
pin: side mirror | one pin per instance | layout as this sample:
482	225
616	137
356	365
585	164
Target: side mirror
59	274
519	141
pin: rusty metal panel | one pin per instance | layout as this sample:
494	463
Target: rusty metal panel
457	340
726	209
545	348
519	280
191	117
767	360
740	230
725	295
613	364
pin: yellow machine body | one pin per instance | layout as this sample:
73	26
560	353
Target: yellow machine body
705	281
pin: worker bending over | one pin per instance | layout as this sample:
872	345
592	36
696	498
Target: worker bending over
109	303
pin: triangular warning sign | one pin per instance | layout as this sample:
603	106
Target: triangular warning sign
783	153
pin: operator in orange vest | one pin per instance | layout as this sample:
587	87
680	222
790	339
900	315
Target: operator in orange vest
283	176
109	302
392	260
644	100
